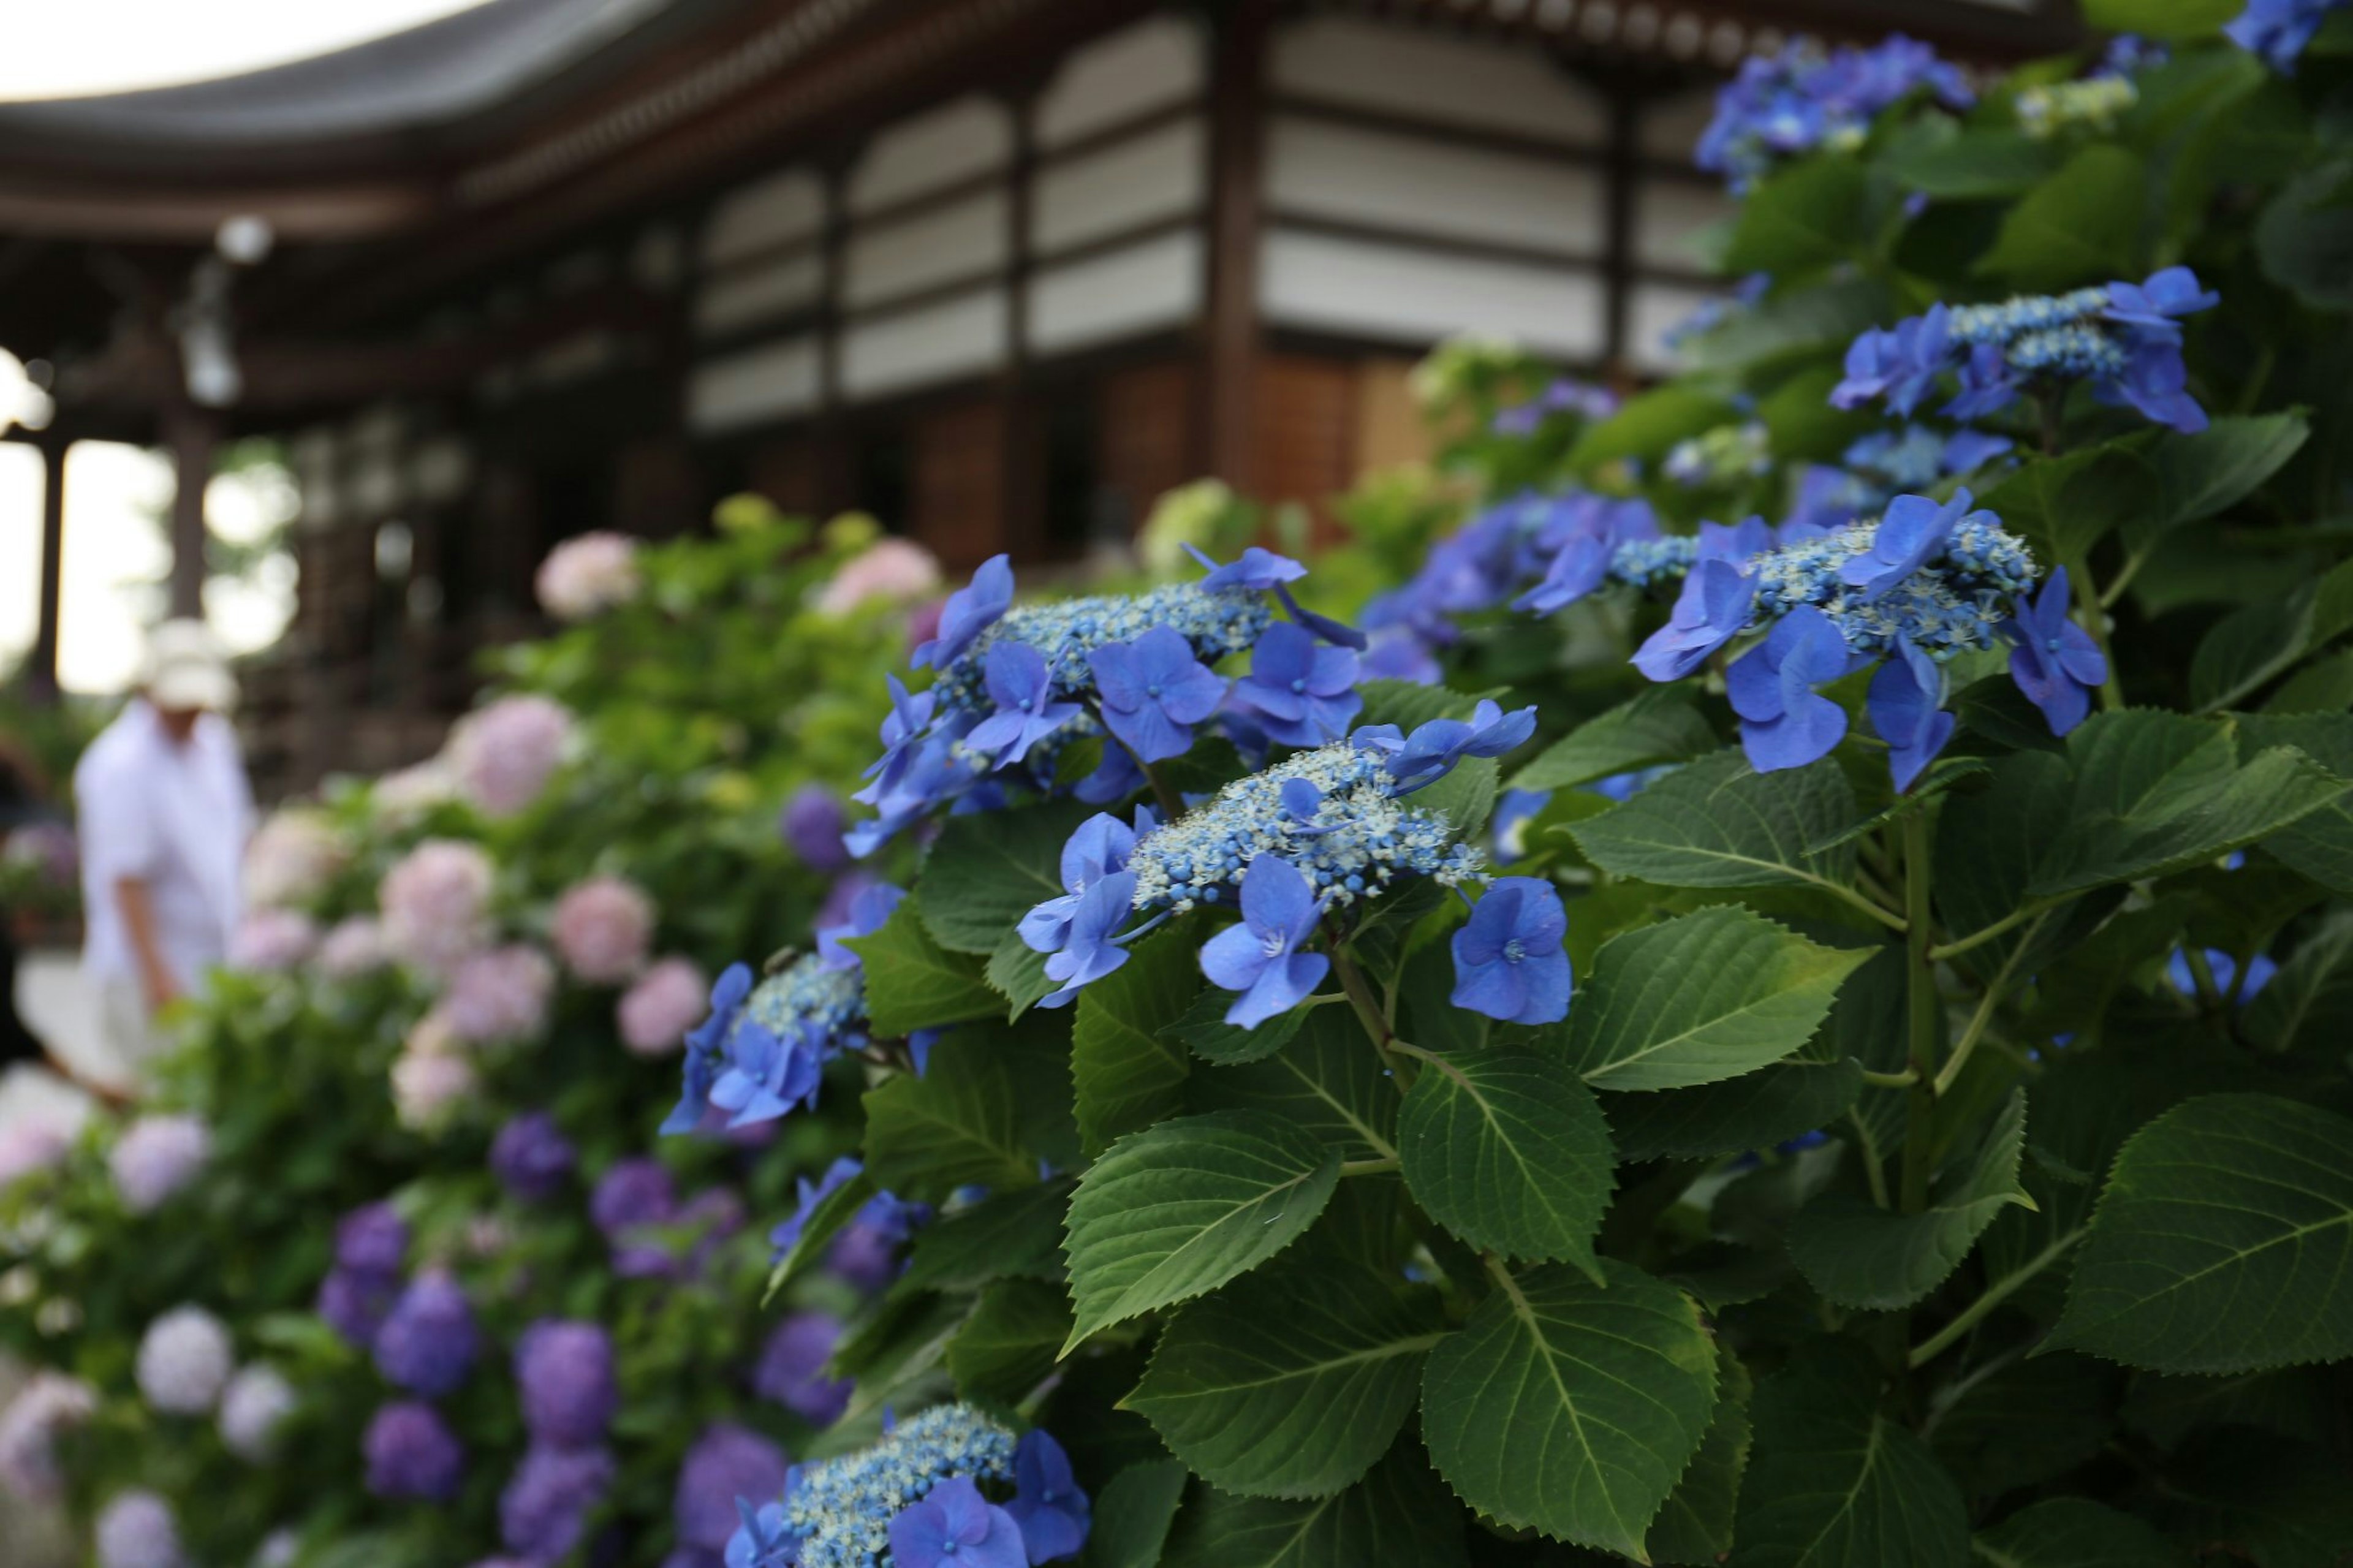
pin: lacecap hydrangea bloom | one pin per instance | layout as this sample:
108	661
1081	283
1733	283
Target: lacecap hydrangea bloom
587	574
137	1529
922	1498
670	998
1305	839
1781	106
156	1157
1016	686
601	928
184	1360
502	755
435	903
1906	592
762	1051
2123	340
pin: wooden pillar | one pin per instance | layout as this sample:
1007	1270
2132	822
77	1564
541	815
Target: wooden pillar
42	667
834	480
191	433
1625	176
1231	336
1022	502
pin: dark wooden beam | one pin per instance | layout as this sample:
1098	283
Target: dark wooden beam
191	432
42	666
1231	336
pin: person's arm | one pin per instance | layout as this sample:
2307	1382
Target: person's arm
139	924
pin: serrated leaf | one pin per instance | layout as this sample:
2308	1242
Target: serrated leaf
1792	322
2220	1243
1659	726
2319	846
1756	1111
1327	1082
2200	474
1398	1514
988	870
1719	824
1017	972
1133	1514
2074	1532
1009	1345
958	1125
913	983
1859	1255
1291	1381
1509	1153
1832	1483
1976	163
1706	997
901	1343
1202	1029
1178	1210
2309	1003
1650	424
1806	216
1004	1233
1571	1408
1128	1075
2023	1422
2082	226
2065	504
1694	1525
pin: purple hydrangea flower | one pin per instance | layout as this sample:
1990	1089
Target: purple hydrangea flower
1053	1513
726	1464
137	1529
1263	957
564	1370
545	1506
2055	661
954	1527
1154	690
412	1455
970	611
1784	722
865	1255
1301	694
353	1304
428	1344
1509	963
788	1233
372	1239
812	824
530	1157
792	1368
868	908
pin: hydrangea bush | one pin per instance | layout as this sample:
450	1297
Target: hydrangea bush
1775	998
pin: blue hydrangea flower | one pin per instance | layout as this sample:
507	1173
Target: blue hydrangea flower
764	1051
1154	691
1913	532
1805	97
1054	1513
1264	958
1715	605
841	1511
1509	961
2055	661
1906	706
703	1048
1514	809
2279	30
1898	366
764	1537
428	1344
1026	714
1300	693
970	611
957	1527
2224	969
1097	850
788	1233
1432	750
2156	382
1092	946
1784	721
2156	306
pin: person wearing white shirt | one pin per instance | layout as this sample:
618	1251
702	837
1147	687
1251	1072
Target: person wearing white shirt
165	812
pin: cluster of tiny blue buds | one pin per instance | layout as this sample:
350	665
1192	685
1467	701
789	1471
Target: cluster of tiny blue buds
1956	602
1359	840
808	994
1214	621
842	1508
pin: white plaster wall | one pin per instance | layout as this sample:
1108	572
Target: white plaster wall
1126	292
1413	71
962	336
953	241
1667	217
1396	293
1324	170
742	299
770	382
1156	176
1119	77
771	211
935	148
1655	310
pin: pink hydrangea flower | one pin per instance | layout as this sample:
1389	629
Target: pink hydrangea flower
291	859
44	1409
156	1157
29	1145
268	941
355	946
898	570
601	928
498	995
504	754
432	1076
434	902
668	1000
589	575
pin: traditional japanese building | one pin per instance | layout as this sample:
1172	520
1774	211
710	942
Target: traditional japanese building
999	272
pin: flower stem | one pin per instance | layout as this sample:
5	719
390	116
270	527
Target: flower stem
1994	990
1995	1295
1359	992
1172	805
1926	1014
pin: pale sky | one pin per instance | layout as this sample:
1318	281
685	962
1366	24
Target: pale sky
116	45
